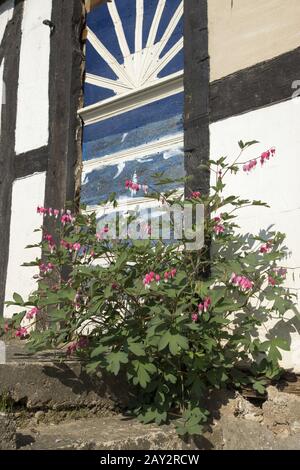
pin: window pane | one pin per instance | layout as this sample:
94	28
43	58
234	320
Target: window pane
99	183
133	129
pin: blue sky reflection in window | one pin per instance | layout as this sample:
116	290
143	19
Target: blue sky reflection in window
133	96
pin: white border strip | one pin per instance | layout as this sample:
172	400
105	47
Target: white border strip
156	90
152	148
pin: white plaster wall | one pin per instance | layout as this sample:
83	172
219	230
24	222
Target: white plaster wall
32	128
27	194
277	183
6	13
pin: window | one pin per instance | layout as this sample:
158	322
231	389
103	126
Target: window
133	112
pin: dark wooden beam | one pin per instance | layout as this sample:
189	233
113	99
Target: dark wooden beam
31	162
66	72
12	36
196	85
261	85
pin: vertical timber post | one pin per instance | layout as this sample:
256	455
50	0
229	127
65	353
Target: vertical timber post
196	88
12	36
65	95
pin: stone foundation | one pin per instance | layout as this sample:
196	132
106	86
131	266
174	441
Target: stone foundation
7	432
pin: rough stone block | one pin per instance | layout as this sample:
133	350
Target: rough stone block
44	385
7	432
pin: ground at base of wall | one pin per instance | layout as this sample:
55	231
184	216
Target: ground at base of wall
237	425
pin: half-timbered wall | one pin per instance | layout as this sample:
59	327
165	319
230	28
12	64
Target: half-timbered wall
40	88
254	49
241	63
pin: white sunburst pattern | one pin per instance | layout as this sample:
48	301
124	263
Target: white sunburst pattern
141	69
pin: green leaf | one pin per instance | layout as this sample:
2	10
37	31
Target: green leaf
164	341
143	372
170	378
259	387
99	350
176	343
92	367
115	359
18	299
138	349
244	145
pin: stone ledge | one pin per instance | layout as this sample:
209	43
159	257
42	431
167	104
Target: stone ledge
59	386
113	433
43	382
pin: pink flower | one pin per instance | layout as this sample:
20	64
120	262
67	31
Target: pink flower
271	281
21	332
32	313
67	218
205	306
207	303
82	343
282	272
195	195
250	165
114	286
266	155
76	246
263	158
266	248
48	211
279	273
218	228
46	268
170	274
42	210
195	317
48	238
150	277
135	187
71	348
242	282
51	244
66	245
104	230
147	281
